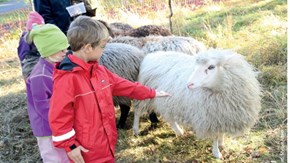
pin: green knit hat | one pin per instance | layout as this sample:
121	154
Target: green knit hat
48	39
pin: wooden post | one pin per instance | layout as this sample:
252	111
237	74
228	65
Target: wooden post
31	5
170	16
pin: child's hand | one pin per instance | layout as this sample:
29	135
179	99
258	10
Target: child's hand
162	94
76	156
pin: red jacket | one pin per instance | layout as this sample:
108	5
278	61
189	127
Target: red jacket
82	110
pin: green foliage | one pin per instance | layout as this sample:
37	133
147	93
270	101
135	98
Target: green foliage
2	1
269	55
230	20
18	16
274	75
12	24
274	110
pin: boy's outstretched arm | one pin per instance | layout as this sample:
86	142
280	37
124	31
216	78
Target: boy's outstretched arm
124	87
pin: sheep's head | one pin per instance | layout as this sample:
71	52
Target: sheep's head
204	75
208	71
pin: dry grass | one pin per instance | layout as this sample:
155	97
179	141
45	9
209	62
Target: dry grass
256	29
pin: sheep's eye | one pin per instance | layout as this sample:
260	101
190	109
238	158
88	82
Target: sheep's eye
211	67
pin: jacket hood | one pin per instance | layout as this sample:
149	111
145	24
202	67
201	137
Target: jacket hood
71	63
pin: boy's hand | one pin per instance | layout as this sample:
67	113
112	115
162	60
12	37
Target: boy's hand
162	94
76	156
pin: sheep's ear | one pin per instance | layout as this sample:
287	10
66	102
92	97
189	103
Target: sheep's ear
228	60
228	57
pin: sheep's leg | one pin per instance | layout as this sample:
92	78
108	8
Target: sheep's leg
221	140
124	114
176	128
154	120
153	117
137	115
215	149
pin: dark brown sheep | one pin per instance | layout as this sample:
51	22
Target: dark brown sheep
147	30
120	28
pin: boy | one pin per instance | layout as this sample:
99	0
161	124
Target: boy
82	115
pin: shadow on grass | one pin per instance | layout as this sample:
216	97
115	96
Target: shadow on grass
17	143
4	82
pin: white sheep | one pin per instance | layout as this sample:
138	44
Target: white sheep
214	93
151	44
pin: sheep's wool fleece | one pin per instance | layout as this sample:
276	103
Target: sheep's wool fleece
123	60
186	45
232	109
134	41
153	43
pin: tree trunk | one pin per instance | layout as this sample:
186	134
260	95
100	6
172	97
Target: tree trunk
170	16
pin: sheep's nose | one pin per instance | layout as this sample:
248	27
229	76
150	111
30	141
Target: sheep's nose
190	85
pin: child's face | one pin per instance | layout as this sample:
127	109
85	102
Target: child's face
58	57
97	52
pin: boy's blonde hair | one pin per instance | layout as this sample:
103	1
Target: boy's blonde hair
86	30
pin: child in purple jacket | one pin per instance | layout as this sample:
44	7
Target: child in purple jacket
51	44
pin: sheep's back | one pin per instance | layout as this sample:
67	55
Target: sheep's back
137	42
186	45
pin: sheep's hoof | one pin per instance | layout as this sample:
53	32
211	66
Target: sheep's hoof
221	144
221	147
153	126
179	132
136	132
119	126
123	127
217	155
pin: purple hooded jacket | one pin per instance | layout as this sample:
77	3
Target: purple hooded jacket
39	91
23	48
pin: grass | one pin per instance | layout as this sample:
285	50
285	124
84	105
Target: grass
255	29
14	17
2	1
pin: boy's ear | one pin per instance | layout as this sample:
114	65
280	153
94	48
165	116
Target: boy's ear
87	48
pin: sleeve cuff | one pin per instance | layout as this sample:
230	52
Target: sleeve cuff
72	146
153	93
